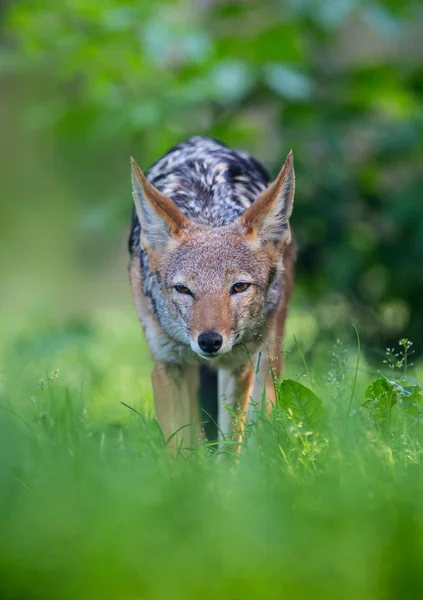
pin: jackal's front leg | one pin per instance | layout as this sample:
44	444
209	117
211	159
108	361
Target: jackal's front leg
269	364
234	397
268	371
175	400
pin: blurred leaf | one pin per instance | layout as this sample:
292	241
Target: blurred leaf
288	82
231	80
381	397
384	394
301	404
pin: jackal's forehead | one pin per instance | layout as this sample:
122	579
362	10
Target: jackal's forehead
215	257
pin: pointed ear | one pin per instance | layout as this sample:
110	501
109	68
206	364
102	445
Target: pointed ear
268	216
159	216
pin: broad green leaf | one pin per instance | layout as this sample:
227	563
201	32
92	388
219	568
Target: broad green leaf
302	405
382	391
383	394
412	400
380	396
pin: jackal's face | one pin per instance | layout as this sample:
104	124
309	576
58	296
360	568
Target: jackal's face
218	284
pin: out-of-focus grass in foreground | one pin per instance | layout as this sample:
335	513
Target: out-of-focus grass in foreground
325	503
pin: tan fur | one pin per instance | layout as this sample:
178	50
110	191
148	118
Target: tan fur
213	313
175	399
271	359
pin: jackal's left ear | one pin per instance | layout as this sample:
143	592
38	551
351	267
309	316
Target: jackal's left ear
268	216
159	216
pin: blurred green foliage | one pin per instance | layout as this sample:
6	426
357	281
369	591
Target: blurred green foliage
340	82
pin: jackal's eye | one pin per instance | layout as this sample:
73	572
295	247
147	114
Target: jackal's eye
182	289
237	288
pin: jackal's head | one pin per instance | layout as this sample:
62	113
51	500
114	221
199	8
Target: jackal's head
218	284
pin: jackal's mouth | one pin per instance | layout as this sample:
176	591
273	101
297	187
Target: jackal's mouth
219	352
210	356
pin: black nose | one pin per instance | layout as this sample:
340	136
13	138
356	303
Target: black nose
210	341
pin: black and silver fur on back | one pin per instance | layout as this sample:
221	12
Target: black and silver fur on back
212	185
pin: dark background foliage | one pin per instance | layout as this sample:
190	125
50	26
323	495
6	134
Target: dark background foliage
85	84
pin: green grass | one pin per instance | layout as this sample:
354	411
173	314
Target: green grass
326	501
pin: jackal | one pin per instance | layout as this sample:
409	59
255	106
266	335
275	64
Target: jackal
211	271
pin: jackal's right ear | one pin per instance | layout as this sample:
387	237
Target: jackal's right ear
159	216
268	216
